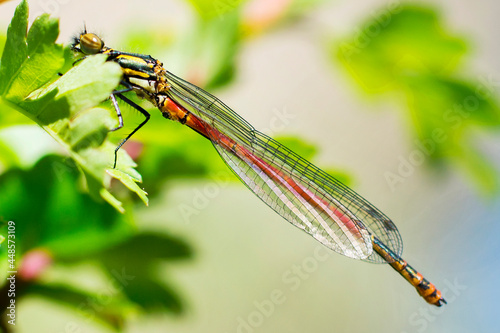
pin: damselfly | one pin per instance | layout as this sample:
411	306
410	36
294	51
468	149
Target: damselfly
300	192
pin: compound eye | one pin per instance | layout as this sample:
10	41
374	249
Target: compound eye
91	43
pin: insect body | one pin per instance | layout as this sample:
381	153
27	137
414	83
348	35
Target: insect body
300	192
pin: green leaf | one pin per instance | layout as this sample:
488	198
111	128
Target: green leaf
2	43
146	249
72	227
140	256
16	49
42	60
134	262
87	303
407	51
53	213
81	88
64	108
130	183
400	42
10	116
152	295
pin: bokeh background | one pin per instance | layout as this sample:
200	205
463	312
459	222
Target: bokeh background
358	87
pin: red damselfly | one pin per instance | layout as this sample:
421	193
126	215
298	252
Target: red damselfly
300	192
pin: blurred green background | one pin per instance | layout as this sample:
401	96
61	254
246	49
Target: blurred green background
399	101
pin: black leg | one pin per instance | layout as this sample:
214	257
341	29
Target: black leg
128	87
135	106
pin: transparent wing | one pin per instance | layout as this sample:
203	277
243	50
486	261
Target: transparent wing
300	192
